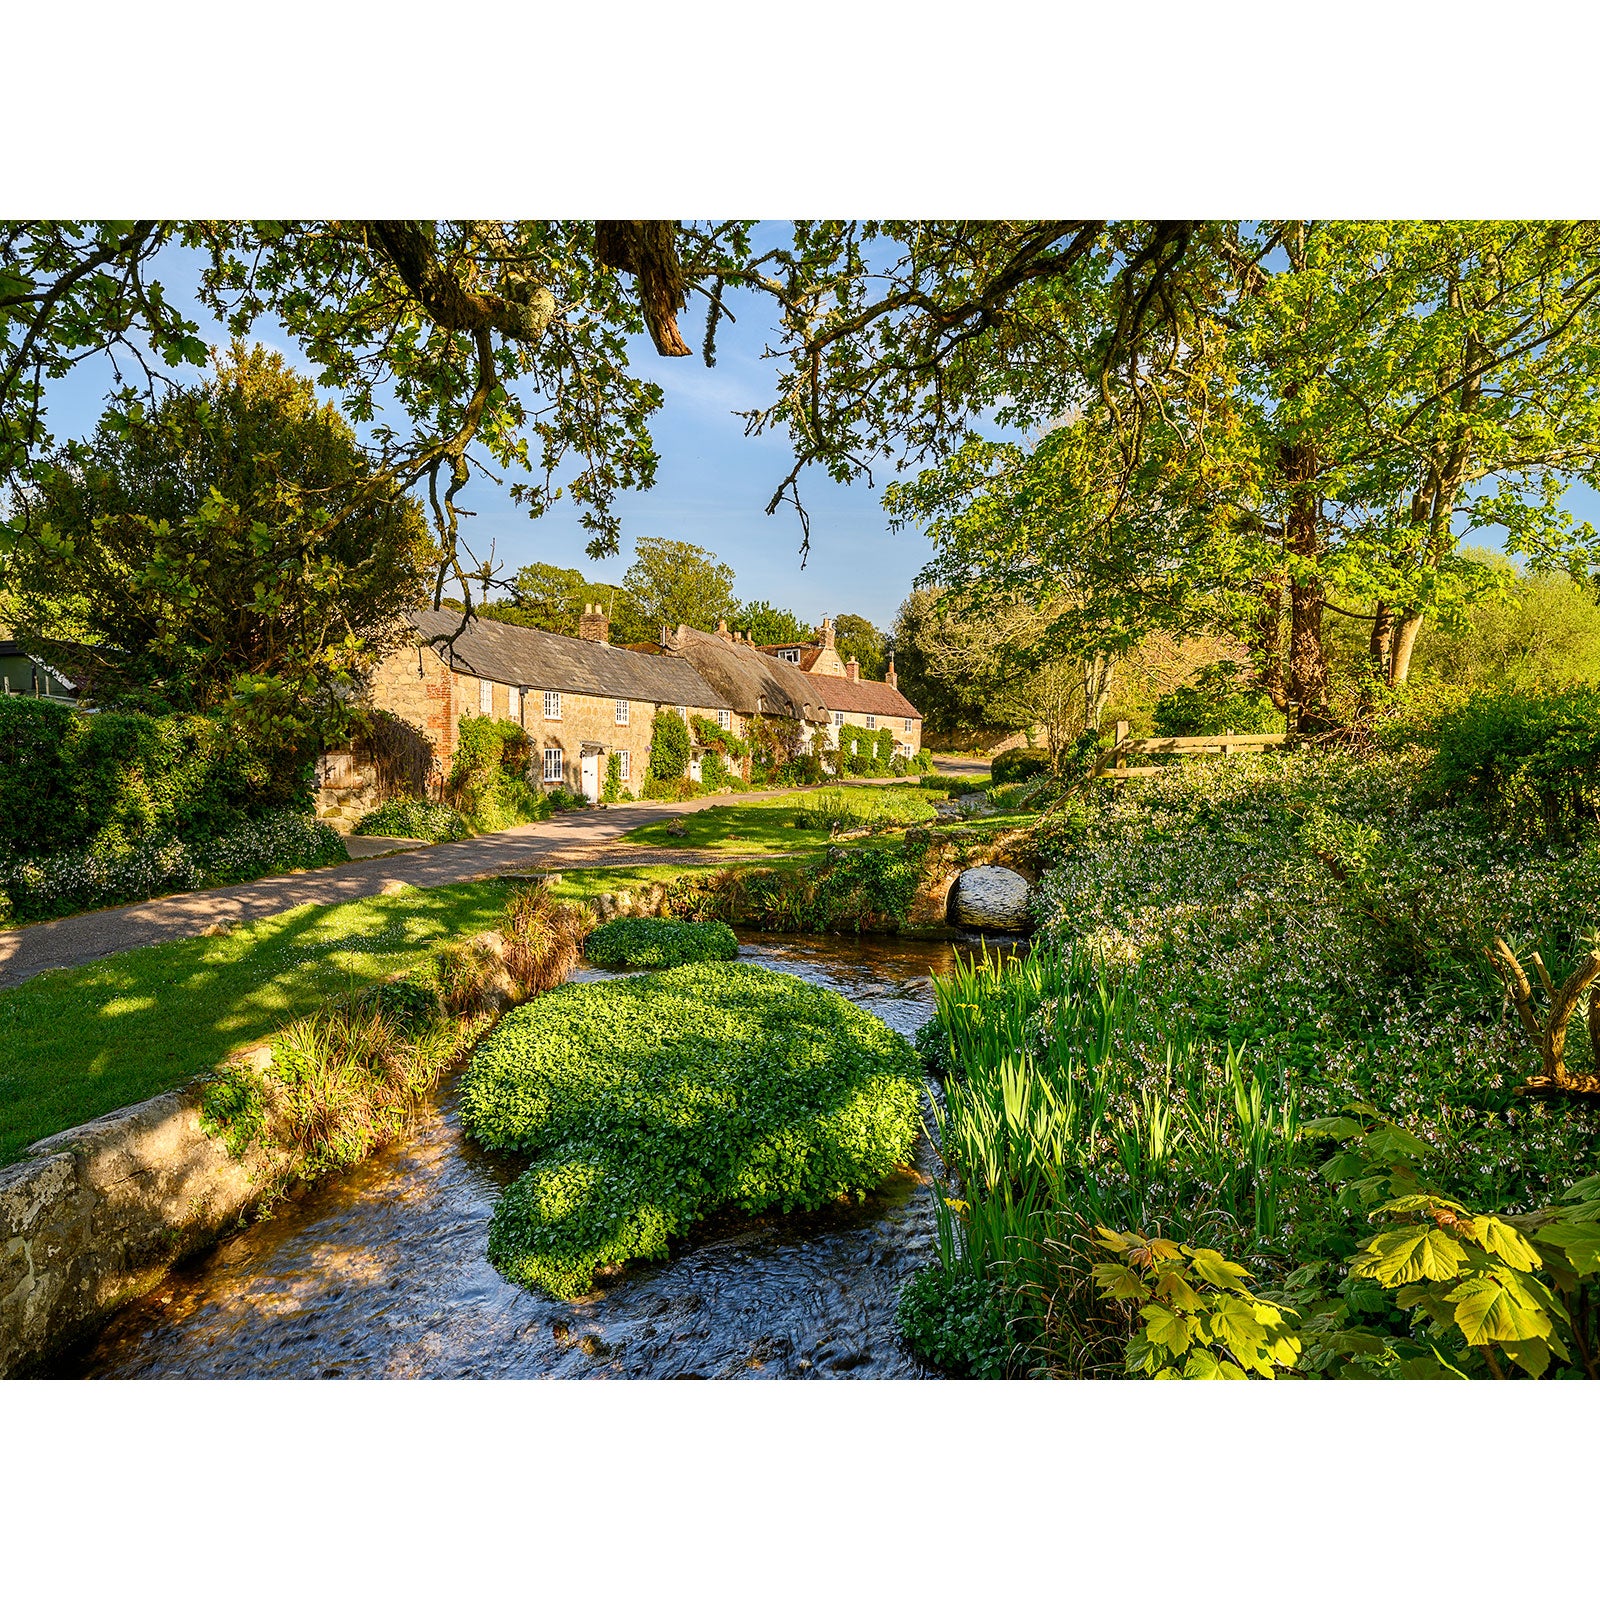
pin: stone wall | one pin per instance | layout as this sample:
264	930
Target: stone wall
945	856
98	1214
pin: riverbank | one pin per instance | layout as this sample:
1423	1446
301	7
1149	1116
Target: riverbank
382	1271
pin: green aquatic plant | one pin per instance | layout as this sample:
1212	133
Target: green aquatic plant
660	942
648	1103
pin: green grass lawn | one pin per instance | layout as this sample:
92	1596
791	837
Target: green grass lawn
80	1043
755	826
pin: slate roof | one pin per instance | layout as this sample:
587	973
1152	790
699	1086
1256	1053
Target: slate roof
752	682
840	694
505	653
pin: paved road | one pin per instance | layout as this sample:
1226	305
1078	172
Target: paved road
71	941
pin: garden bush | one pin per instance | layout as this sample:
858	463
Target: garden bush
414	819
1531	763
669	748
660	942
70	781
106	875
671	788
613	792
1218	701
861	891
1011	766
650	1102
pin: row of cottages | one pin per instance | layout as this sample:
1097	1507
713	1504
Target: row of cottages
850	698
578	699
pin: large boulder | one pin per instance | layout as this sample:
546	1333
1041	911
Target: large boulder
991	897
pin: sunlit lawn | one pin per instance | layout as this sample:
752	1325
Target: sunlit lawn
79	1043
756	826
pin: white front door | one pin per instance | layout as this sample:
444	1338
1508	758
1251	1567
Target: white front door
591	775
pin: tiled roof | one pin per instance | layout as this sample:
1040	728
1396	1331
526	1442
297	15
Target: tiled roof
504	653
840	694
753	682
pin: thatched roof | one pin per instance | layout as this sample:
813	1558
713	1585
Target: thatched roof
505	653
752	682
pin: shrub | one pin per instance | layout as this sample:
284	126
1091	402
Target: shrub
1531	763
860	892
1217	701
1011	766
660	942
671	789
711	735
414	819
70	781
956	1323
566	800
714	773
613	790
57	886
647	1104
669	748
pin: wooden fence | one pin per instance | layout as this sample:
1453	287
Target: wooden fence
1114	764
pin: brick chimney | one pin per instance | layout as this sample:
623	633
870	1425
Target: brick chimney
853	667
594	625
888	673
827	633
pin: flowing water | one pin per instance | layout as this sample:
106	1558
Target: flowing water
381	1271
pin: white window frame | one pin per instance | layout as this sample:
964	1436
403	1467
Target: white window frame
513	702
790	655
622	713
683	712
624	764
838	719
908	724
872	721
725	719
552	705
485	698
552	776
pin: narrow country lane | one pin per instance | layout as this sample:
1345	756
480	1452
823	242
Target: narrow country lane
71	941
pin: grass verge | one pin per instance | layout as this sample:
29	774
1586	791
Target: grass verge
80	1043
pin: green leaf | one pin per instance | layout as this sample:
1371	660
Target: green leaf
1216	1270
1578	1241
1489	1312
1170	1330
1408	1254
1333	1127
1501	1239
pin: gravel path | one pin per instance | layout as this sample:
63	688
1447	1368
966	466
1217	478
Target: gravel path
573	838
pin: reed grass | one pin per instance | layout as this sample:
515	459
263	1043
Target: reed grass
1071	1104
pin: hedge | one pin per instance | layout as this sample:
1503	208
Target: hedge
648	1102
70	780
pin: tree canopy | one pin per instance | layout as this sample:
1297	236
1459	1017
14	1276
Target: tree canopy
224	542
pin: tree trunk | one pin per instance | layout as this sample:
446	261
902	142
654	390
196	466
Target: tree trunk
1405	641
1267	646
1308	666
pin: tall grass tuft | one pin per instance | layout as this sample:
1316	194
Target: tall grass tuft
1070	1105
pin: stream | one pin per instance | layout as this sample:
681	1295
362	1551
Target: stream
381	1271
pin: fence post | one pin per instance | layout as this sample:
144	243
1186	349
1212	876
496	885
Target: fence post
1120	759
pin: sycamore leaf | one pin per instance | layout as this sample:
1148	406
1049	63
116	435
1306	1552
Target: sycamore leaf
1169	1329
1578	1241
1501	1239
1532	1355
1394	1145
1177	1291
1141	1355
1234	1323
1216	1270
1408	1254
1488	1312
1333	1127
1117	1282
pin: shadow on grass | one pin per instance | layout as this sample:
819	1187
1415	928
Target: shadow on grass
77	1044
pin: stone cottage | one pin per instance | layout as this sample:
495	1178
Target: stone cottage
847	696
751	682
579	699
